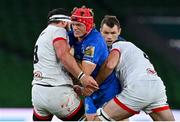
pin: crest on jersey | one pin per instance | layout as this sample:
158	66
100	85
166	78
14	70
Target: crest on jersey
89	51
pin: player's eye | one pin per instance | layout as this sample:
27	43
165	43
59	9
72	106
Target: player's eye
113	32
106	32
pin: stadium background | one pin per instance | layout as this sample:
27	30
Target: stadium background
152	25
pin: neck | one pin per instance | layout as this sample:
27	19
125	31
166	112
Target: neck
83	36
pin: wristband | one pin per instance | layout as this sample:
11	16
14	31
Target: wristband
81	74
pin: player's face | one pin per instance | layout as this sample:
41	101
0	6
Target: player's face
110	34
79	29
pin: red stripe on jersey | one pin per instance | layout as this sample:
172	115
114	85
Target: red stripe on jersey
160	109
58	39
73	113
115	50
43	118
124	106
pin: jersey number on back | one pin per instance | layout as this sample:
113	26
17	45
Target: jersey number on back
35	55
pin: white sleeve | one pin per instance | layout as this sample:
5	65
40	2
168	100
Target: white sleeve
115	46
60	33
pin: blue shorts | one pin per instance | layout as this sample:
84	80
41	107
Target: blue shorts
105	93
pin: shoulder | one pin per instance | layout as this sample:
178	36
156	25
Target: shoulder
95	34
61	30
95	37
121	44
55	28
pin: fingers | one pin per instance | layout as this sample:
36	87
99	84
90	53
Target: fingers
88	80
92	82
87	91
94	88
94	85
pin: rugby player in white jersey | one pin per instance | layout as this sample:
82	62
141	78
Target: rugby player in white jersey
142	88
52	91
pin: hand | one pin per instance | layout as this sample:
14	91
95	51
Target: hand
78	89
87	91
87	80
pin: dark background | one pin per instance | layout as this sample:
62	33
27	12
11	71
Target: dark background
152	25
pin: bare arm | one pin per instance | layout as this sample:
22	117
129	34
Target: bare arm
88	67
108	66
69	62
62	51
105	70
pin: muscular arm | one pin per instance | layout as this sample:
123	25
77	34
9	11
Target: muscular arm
88	67
62	50
108	66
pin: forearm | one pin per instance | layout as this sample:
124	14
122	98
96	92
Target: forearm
88	67
70	64
108	66
103	73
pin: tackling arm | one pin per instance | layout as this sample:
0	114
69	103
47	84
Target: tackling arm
62	51
108	66
69	62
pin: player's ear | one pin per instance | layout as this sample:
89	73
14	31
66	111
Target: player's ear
64	23
100	29
119	31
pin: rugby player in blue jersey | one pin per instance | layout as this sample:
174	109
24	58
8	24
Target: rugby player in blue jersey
91	51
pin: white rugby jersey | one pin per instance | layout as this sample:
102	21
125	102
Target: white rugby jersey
47	68
134	64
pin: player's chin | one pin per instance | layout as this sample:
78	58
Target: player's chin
77	34
109	43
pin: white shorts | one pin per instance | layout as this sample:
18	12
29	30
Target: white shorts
61	101
148	95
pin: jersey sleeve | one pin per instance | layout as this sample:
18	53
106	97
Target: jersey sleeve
93	52
115	46
59	34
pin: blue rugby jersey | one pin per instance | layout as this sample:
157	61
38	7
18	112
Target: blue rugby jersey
93	48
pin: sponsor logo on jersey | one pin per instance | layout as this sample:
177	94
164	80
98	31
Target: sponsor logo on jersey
89	51
151	71
37	75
